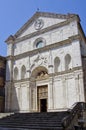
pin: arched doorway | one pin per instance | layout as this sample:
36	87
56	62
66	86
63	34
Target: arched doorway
41	74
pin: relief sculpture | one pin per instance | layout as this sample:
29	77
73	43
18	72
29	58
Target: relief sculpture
42	74
40	60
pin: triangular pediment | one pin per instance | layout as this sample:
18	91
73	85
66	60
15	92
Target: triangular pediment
41	20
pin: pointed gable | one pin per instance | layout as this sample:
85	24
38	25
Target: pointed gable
41	20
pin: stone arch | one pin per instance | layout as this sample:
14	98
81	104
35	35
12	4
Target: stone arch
67	61
56	64
23	72
39	72
15	73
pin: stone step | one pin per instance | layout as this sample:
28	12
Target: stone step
33	127
46	121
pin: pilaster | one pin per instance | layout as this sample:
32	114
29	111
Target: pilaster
8	96
64	92
81	84
51	94
33	96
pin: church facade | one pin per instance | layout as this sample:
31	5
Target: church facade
45	61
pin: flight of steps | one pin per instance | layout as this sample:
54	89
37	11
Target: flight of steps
33	121
5	114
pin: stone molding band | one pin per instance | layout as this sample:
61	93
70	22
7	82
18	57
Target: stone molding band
50	75
35	51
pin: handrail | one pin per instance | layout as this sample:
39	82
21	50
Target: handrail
77	108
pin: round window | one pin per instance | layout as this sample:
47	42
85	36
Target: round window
40	44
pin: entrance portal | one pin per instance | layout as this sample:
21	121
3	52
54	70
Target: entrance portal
42	96
43	105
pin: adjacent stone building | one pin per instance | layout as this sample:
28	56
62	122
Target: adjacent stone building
45	61
2	82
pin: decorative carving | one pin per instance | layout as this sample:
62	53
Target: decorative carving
42	92
38	24
40	60
42	74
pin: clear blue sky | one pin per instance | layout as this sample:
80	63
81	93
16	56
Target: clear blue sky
14	13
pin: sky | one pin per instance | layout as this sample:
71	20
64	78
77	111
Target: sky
15	13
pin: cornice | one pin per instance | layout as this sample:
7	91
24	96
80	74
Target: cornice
10	57
68	71
48	47
10	39
45	30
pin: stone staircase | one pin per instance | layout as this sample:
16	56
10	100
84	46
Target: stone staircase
34	121
73	119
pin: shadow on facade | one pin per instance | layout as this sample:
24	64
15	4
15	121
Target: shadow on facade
11	93
15	99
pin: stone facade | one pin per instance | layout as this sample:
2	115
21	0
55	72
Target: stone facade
44	64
